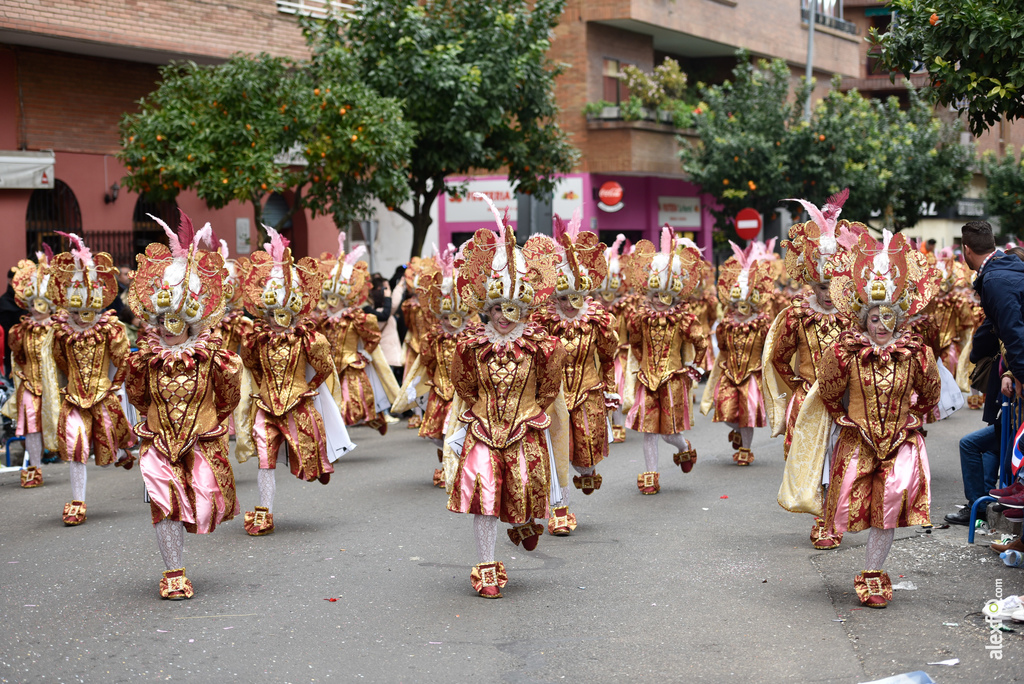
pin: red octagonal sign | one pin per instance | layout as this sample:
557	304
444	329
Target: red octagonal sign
748	223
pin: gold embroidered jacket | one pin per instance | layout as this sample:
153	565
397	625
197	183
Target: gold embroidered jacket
345	331
233	328
26	342
84	357
880	382
741	346
278	360
507	386
185	394
437	356
806	334
417	323
590	343
953	315
657	339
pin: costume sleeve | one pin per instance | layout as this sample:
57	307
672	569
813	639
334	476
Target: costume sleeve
927	384
636	335
712	304
463	373
16	343
318	355
607	344
428	355
549	371
368	331
965	314
226	377
833	379
119	350
787	341
695	335
251	358
136	381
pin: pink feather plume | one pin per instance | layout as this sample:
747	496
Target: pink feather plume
203	236
835	203
558	228
341	243
446	259
354	256
945	253
224	252
173	242
494	210
186	231
667	236
78	248
614	249
742	255
278	243
48	251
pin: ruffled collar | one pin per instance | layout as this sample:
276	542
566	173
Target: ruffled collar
303	330
197	348
755	321
506	340
903	345
92	331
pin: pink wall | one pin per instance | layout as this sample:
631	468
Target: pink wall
84	174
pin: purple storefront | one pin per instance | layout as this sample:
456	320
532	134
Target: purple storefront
636	206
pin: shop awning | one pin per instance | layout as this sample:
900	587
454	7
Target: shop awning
26	170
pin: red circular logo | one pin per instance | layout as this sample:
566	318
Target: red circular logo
610	193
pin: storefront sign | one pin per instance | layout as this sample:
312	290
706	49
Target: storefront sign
679	212
469	209
610	197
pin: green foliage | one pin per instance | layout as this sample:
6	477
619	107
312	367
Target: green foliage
632	109
754	150
217	130
1004	196
744	157
595	108
973	51
477	85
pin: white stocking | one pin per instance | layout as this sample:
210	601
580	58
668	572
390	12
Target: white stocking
268	487
78	477
617	417
678	441
747	435
486	529
34	447
170	538
583	470
879	543
651	452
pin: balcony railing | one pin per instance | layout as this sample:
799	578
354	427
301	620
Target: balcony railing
318	9
830	21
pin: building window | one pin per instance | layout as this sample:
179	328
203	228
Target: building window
615	90
828	13
319	9
51	210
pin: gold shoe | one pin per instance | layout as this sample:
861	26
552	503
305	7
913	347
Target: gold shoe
74	513
31	477
175	586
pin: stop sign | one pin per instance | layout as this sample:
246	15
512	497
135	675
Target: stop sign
748	223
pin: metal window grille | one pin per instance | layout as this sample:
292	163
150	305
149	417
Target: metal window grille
116	243
319	9
145	230
51	210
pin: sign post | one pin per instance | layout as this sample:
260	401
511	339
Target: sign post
748	223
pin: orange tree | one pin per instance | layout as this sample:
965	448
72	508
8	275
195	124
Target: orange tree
257	124
477	85
1004	195
973	51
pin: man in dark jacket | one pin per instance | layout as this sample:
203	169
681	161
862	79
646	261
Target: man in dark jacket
1000	286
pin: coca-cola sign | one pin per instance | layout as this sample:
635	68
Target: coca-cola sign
610	196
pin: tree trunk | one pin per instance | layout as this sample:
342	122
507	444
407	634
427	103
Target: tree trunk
257	236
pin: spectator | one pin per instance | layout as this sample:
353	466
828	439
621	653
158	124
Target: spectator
381	306
10	313
1000	288
928	247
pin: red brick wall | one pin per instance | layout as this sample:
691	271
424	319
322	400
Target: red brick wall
73	103
190	27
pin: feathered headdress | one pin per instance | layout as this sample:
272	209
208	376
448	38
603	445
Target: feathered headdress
813	243
179	281
672	274
437	290
346	278
235	277
33	286
277	285
581	262
614	283
746	279
85	282
886	272
496	270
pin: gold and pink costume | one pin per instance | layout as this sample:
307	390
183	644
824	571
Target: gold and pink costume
185	395
437	356
26	342
737	395
350	333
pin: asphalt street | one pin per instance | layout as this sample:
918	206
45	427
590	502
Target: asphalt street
709	581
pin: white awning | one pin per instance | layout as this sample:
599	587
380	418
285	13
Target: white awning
26	170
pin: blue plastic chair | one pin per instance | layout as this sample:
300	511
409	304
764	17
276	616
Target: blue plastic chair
1012	416
8	447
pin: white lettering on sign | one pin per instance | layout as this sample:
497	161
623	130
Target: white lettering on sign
469	209
679	212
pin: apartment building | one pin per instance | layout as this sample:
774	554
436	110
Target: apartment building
69	70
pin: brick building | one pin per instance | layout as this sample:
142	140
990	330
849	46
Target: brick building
630	179
68	71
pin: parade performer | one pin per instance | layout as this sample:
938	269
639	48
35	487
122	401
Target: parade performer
430	375
289	361
417	322
366	385
658	332
232	328
35	404
703	304
90	349
507	373
613	294
587	333
808	327
734	388
185	384
877	383
951	310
